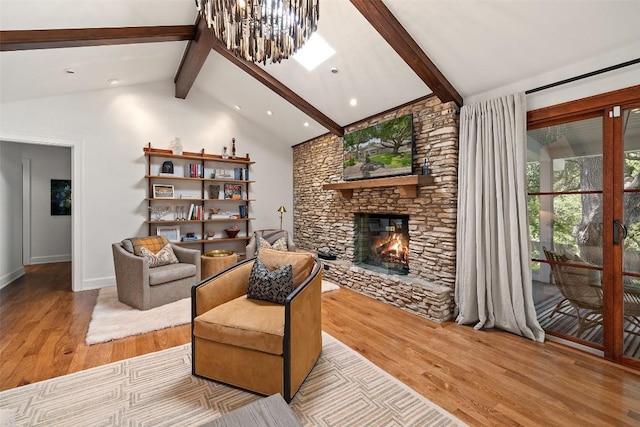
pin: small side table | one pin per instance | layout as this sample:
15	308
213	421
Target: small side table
217	260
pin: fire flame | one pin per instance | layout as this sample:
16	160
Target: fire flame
394	249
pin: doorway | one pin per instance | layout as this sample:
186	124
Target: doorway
78	191
583	175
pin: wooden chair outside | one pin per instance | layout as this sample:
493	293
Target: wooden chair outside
582	298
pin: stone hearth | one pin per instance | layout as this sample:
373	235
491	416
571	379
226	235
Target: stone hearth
324	218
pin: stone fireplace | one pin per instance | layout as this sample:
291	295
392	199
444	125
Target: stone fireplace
382	242
325	218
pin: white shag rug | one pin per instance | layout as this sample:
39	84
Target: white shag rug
113	320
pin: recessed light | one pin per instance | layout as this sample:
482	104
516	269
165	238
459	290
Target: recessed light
353	102
334	70
269	113
113	82
306	124
237	107
69	71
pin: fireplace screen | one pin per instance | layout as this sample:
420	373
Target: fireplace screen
382	242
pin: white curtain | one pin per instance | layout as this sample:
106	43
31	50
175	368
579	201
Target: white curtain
493	278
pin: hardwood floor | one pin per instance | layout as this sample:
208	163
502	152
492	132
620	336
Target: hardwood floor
482	377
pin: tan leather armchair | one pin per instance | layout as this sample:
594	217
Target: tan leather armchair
253	344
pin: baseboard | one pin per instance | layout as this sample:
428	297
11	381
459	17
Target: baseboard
49	259
10	277
99	283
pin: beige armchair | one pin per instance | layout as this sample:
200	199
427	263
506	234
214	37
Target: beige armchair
144	287
254	344
271	236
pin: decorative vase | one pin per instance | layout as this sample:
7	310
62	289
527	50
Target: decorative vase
176	146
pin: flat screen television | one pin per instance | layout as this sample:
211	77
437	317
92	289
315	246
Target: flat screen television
382	150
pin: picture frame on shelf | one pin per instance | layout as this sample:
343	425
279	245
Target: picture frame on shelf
163	191
233	191
170	232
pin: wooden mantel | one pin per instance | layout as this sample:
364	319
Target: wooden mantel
408	185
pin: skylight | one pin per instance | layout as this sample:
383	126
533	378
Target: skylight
314	52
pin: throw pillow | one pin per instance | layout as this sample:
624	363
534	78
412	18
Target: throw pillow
274	286
164	256
152	243
278	245
302	263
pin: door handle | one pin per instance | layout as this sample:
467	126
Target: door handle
617	227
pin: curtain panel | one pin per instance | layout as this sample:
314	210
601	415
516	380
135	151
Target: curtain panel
493	276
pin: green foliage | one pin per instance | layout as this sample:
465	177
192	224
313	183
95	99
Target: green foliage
399	160
350	162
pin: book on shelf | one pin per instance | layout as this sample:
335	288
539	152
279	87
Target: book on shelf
194	170
241	174
233	191
224	173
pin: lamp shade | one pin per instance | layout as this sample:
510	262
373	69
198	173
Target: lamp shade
282	209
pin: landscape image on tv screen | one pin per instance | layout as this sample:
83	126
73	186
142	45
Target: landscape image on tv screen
385	149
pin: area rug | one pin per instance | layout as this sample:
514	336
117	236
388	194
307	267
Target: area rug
568	325
343	389
113	320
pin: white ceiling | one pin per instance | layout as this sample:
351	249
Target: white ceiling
479	45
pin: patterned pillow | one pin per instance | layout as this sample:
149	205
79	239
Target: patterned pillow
164	256
152	243
278	245
274	286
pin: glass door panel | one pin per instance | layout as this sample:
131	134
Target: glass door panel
565	208
631	229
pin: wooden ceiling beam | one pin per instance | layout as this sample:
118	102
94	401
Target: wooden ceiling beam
195	55
77	37
381	18
269	81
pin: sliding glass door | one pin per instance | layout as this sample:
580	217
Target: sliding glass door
628	231
584	214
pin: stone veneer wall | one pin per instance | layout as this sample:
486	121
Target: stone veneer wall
324	221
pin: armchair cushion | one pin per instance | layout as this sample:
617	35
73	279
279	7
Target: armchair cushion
301	263
244	322
171	272
164	256
274	286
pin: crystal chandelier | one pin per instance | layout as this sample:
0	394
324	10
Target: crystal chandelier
257	30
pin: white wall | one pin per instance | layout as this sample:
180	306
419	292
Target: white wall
114	125
10	212
606	82
50	236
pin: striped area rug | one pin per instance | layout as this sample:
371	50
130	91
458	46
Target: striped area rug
157	389
568	325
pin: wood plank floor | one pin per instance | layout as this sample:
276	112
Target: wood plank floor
484	378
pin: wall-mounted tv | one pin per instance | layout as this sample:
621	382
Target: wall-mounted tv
385	149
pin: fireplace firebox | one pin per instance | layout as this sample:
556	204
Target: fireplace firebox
382	242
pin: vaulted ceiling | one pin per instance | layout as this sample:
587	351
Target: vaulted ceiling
388	52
